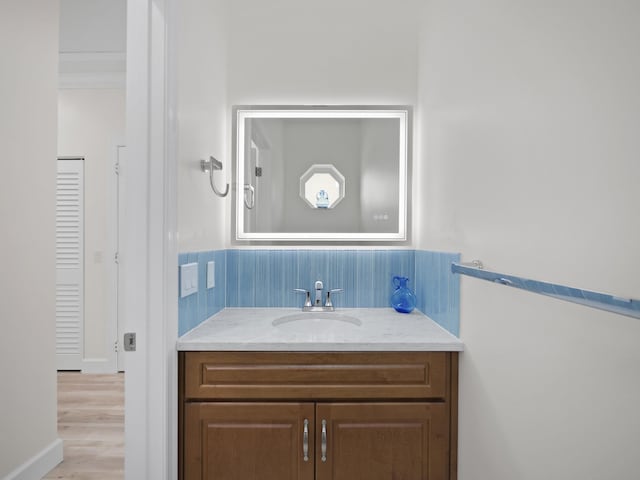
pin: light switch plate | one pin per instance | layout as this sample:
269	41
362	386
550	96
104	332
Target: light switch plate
211	274
188	279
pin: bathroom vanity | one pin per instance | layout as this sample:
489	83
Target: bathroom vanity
318	398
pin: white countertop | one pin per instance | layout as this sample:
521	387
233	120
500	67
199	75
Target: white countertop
381	329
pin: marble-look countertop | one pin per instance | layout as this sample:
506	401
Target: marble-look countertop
380	329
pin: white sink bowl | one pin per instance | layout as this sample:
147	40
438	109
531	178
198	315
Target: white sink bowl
316	321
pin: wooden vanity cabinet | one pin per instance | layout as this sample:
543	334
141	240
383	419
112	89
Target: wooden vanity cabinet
229	440
324	416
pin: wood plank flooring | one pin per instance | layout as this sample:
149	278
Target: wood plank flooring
91	424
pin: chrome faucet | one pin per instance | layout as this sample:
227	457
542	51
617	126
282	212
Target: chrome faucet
319	288
317	306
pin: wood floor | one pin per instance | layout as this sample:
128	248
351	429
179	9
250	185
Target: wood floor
91	424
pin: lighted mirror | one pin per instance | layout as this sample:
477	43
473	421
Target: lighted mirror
321	173
322	186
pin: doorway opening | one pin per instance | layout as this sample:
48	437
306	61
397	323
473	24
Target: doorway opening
91	126
91	132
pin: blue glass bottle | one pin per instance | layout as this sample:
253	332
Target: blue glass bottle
402	299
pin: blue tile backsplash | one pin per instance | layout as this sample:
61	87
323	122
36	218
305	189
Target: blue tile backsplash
196	308
437	290
266	278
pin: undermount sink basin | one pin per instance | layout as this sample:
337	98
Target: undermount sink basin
316	320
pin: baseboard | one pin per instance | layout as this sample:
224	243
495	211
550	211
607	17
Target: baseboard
39	465
97	365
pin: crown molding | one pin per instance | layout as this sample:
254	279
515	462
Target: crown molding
92	70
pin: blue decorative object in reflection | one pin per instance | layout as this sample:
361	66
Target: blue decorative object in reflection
403	300
322	199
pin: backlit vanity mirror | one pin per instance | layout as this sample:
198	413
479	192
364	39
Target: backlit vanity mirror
321	173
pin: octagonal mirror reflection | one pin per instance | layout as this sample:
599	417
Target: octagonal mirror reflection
322	186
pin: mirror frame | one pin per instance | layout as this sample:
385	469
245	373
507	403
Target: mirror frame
243	112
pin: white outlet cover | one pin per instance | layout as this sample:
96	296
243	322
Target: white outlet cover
211	274
188	279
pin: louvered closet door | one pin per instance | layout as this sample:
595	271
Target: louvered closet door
69	264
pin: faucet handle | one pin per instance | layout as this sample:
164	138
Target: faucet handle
328	303
307	302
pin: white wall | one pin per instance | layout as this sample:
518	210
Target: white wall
330	51
530	113
93	26
202	115
28	95
91	123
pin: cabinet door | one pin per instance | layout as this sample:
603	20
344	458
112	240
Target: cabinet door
382	441
248	441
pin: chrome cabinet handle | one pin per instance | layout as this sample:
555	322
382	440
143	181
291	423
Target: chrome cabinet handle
324	441
305	441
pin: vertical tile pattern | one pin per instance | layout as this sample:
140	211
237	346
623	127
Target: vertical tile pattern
218	298
266	278
346	261
232	277
437	289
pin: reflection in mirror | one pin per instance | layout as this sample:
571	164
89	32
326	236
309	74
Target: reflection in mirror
322	186
321	173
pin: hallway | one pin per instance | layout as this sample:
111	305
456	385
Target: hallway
91	424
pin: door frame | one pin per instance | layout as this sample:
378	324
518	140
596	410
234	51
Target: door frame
114	328
149	258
